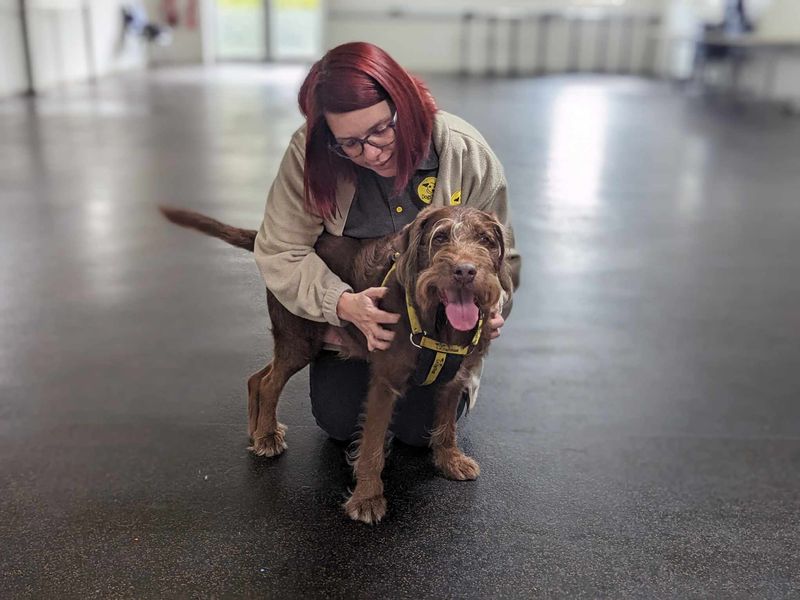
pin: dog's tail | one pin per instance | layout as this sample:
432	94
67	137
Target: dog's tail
241	238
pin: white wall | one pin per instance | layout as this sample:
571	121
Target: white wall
56	33
12	60
61	50
780	19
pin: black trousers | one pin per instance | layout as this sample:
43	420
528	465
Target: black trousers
339	389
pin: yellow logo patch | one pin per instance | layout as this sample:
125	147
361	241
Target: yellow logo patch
455	199
425	189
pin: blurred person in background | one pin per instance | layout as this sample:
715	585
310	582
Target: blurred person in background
732	21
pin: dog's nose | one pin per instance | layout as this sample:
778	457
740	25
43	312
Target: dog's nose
464	273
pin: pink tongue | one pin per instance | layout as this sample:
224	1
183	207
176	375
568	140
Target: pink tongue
461	310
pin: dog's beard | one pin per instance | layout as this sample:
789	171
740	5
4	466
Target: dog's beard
462	307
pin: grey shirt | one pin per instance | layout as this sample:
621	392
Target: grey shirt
376	211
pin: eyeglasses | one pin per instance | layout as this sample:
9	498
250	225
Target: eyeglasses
380	138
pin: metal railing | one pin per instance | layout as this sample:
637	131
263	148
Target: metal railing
484	29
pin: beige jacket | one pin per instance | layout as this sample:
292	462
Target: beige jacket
469	173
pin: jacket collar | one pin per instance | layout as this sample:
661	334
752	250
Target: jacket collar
431	161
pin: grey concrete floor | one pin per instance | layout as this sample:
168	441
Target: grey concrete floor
639	426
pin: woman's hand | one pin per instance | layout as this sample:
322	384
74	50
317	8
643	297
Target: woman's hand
496	321
362	310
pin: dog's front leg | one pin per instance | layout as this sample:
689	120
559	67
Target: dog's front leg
367	503
447	457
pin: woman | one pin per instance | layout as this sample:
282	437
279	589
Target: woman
373	152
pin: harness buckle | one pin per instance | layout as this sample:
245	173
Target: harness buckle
411	339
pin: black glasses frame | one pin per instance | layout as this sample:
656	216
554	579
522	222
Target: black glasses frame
338	149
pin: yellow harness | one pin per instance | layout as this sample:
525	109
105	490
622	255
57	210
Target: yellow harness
434	357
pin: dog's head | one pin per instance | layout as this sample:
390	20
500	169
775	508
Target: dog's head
453	256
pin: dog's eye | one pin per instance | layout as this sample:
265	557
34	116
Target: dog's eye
441	238
487	240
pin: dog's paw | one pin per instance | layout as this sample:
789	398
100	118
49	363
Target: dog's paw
457	465
367	510
252	433
271	444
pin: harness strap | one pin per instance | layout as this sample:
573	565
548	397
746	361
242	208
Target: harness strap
435	365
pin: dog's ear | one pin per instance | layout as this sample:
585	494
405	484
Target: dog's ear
500	236
493	224
504	267
506	279
408	243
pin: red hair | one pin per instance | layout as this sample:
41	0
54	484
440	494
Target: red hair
351	77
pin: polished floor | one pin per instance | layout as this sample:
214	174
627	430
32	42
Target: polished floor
639	425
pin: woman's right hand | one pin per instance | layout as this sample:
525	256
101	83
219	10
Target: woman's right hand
361	309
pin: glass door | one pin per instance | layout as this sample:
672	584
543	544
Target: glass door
241	30
268	30
295	29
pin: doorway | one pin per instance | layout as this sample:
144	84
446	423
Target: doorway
268	30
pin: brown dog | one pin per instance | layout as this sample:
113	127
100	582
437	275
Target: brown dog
448	258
